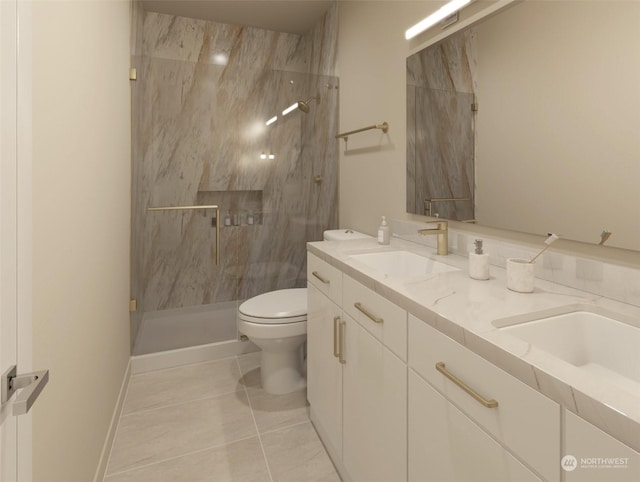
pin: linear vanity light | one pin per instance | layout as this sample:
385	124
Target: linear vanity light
272	120
448	9
291	108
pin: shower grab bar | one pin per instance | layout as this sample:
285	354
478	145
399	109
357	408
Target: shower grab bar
384	127
186	208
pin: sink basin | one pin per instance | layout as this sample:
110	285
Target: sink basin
402	264
596	343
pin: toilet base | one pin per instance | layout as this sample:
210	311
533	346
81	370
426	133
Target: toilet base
282	371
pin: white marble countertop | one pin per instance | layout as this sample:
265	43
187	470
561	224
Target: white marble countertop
465	309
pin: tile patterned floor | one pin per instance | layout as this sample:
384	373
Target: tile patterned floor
213	422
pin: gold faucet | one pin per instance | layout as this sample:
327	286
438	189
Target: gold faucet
442	230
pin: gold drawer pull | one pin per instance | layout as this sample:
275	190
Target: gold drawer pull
336	351
370	315
487	403
325	281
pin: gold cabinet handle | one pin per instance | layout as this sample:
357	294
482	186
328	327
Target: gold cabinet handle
370	315
317	275
336	351
343	324
487	403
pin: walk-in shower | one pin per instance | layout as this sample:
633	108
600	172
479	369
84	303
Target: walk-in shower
200	135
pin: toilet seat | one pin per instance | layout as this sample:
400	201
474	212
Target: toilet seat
276	307
272	321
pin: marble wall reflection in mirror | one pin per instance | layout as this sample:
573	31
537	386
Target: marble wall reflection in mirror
555	142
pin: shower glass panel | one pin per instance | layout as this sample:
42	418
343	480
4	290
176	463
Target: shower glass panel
200	138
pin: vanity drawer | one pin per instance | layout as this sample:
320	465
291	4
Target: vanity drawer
524	420
325	277
379	316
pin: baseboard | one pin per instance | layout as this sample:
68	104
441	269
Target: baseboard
190	355
108	443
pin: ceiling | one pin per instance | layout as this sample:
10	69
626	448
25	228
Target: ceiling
291	16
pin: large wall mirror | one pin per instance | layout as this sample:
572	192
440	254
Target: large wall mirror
530	121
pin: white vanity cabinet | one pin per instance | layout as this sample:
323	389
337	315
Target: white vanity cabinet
591	455
507	410
357	385
324	370
374	389
326	278
447	446
386	321
394	399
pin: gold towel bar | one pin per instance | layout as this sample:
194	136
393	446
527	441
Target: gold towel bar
384	127
185	208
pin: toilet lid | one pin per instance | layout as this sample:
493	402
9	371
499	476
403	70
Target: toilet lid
275	305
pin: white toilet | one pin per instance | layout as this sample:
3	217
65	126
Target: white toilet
277	323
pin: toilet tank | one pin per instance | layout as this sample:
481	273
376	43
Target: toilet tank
343	234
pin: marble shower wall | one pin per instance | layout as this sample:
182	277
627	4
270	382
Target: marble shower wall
207	90
440	92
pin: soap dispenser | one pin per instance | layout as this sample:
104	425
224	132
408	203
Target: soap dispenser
384	232
478	262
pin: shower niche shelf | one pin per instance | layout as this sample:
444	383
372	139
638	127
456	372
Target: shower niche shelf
237	208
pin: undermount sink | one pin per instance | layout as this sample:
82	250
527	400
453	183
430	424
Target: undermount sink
403	264
598	343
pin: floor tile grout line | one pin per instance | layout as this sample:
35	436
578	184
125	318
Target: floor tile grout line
212	447
285	427
175	404
264	453
178	367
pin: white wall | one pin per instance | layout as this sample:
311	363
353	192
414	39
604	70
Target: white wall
81	212
372	55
